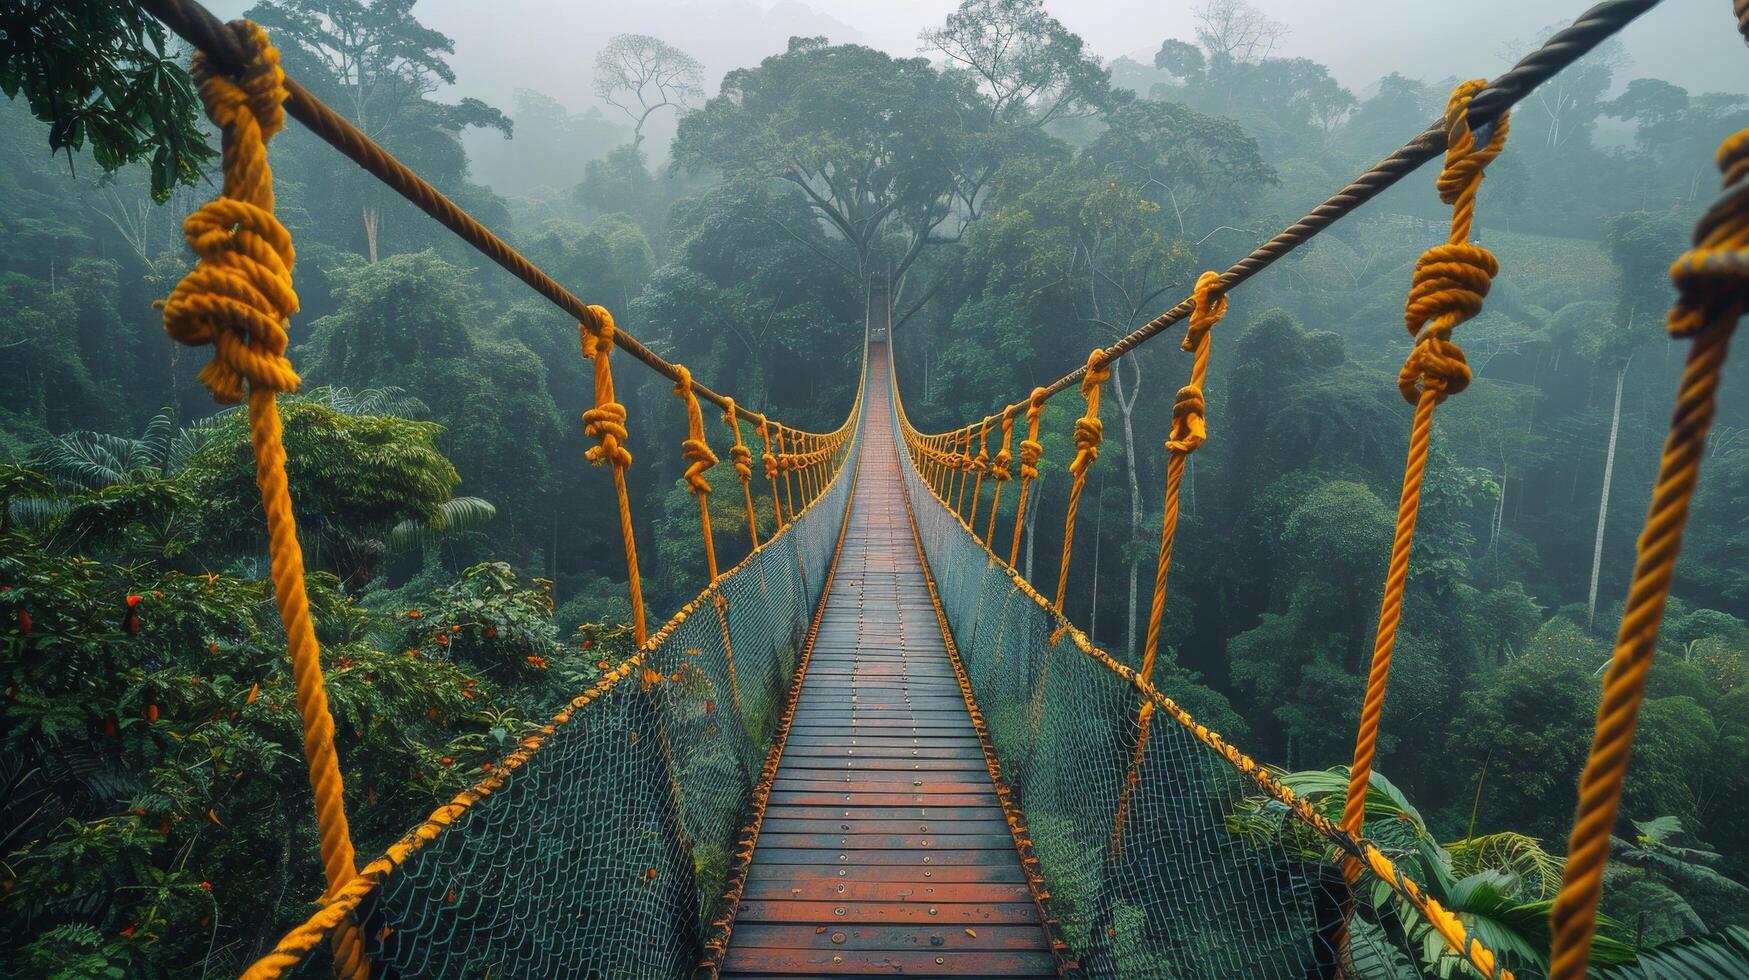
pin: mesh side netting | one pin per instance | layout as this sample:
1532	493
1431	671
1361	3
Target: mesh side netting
605	852
1188	894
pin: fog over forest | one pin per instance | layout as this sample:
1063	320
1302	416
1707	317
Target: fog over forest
739	182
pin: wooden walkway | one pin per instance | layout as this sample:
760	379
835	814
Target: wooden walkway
883	850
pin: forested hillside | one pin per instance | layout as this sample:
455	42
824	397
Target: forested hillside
1028	199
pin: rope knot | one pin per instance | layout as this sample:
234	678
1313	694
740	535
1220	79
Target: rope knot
1712	279
694	449
1208	310
239	295
1189	427
739	454
606	422
1000	466
1451	279
1464	160
1089	430
1450	282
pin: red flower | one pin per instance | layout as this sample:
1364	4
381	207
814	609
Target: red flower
129	931
133	600
446	760
413	614
206	886
24	621
491	632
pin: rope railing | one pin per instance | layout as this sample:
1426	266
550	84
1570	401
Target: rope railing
1449	285
1566	46
239	299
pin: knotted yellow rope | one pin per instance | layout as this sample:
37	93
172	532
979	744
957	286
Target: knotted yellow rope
1189	431
1450	282
699	460
1712	282
1031	451
980	466
742	457
999	471
771	471
1089	433
964	462
786	464
606	424
238	298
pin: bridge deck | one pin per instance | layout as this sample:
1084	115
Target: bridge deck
883	849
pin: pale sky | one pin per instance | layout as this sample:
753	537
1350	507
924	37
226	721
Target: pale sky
549	45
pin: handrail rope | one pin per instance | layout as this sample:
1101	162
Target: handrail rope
239	298
1189	431
227	55
1031	451
1000	472
770	462
1712	280
696	450
606	424
296	943
980	466
1448	925
1590	29
743	461
1448	287
1089	433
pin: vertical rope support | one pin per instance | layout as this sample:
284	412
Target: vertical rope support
1000	473
1189	431
1449	284
980	466
965	472
1712	281
1089	433
606	424
743	460
1031	450
239	299
771	470
699	460
786	464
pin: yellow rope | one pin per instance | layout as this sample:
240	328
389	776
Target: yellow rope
1189	430
743	460
1712	280
771	469
238	298
606	423
1449	284
1089	433
1031	450
999	471
963	463
699	460
980	466
786	465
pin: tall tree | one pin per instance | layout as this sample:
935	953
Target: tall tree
1032	68
375	61
639	74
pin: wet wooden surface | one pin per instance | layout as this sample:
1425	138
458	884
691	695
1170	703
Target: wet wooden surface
883	851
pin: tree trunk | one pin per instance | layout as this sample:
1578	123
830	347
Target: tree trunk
1603	501
371	215
1126	407
1032	509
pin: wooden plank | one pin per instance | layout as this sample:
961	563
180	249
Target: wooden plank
883	848
954	914
866	937
947	963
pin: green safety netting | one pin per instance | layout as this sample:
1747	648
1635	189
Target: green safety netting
1205	882
605	851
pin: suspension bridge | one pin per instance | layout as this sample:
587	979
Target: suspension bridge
872	747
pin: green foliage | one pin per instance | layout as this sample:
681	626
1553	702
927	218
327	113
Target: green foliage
99	74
